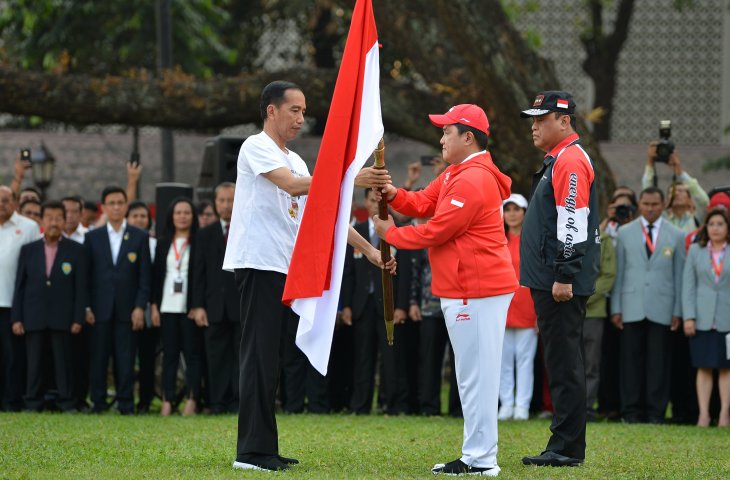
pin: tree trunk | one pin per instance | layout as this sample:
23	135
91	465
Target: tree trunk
604	83
455	51
602	53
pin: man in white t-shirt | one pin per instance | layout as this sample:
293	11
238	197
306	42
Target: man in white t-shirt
15	231
268	204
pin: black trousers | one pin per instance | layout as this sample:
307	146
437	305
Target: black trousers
683	394
62	358
113	338
561	329
433	341
369	336
80	359
609	388
645	366
222	346
147	341
299	379
12	358
264	320
339	374
180	334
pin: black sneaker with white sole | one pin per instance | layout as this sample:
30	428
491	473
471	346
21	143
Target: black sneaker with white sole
288	461
457	467
270	463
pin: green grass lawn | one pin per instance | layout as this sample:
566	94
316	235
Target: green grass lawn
335	446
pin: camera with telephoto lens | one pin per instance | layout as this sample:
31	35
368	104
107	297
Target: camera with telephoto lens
665	147
624	213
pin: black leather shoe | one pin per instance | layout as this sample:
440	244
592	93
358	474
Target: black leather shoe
552	459
288	461
269	463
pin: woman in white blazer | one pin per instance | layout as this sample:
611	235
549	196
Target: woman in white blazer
706	311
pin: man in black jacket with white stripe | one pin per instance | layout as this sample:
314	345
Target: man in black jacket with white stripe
559	259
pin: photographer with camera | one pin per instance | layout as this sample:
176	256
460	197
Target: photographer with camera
621	210
686	200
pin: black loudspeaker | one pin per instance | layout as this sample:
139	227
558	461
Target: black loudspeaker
220	158
165	193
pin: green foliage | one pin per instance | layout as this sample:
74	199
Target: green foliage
516	8
110	37
55	446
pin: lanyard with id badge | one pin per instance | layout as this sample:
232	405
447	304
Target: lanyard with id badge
177	284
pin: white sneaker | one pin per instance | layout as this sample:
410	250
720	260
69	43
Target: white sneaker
505	412
521	413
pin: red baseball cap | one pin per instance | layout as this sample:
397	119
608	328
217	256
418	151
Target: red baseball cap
720	199
466	114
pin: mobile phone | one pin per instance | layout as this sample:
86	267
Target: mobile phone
25	154
427	160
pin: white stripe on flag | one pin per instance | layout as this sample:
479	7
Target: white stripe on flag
317	314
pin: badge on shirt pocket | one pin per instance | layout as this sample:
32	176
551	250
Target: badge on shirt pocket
132	256
66	268
667	251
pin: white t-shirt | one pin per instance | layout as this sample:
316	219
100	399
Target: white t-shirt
14	233
172	301
265	218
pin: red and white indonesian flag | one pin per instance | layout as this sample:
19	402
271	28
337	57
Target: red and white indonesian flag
562	103
354	128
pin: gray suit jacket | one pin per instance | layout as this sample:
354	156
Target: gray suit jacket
702	299
644	287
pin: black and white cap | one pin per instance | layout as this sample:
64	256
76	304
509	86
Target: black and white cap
550	101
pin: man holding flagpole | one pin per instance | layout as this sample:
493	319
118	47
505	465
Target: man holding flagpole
471	268
271	190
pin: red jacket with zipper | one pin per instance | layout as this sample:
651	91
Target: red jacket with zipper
465	237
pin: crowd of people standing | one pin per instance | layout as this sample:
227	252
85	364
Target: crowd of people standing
77	291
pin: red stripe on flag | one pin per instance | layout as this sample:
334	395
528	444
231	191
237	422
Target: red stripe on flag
311	264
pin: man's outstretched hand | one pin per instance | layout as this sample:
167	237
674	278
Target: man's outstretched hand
371	177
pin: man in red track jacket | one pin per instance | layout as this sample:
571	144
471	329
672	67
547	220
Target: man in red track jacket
472	271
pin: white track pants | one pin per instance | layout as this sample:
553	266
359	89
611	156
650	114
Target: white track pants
518	357
476	329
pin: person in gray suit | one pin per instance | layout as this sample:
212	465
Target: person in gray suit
645	305
706	309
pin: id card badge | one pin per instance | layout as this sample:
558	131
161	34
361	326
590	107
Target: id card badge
177	285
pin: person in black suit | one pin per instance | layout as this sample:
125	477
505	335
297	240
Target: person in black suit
215	305
148	339
172	278
48	305
362	301
119	272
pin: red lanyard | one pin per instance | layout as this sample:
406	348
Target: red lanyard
179	254
717	266
649	241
